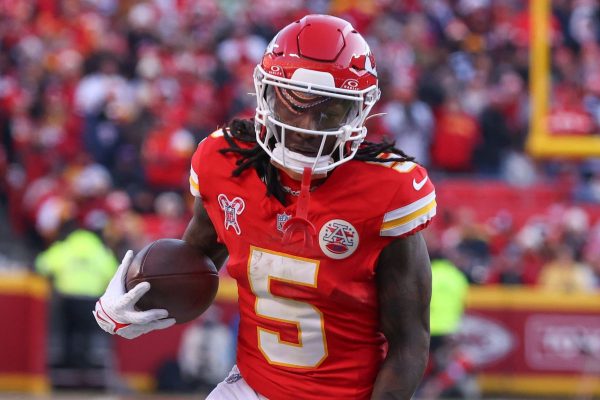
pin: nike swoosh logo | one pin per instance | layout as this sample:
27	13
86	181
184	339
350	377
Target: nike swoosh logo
419	185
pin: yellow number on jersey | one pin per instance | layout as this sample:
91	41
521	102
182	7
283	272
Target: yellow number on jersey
311	349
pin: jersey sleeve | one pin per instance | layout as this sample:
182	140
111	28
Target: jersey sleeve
200	162
413	205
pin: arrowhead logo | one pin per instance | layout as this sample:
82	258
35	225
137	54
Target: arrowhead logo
338	239
419	185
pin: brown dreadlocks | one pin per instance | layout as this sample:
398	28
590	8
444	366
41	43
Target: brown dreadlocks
243	130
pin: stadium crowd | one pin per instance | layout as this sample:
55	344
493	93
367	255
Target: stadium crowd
102	103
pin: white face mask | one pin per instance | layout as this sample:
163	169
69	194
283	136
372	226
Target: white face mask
297	162
347	128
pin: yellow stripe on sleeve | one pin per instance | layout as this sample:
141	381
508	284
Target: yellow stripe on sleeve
407	218
194	185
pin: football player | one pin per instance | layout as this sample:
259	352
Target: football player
320	229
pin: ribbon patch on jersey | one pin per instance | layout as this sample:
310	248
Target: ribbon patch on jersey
232	209
338	239
281	220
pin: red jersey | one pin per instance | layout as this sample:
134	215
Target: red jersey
309	317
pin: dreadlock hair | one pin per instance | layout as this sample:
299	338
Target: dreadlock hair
242	130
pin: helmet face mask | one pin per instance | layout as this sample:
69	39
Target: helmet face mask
315	117
309	111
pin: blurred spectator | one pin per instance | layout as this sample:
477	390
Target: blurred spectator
502	123
97	98
205	356
44	206
564	274
455	137
595	267
591	100
80	267
591	255
166	153
206	351
574	230
409	121
448	367
507	268
124	229
466	244
449	290
90	184
169	219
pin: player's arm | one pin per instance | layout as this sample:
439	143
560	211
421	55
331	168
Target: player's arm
201	234
404	285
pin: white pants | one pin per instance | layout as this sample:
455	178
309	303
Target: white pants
234	387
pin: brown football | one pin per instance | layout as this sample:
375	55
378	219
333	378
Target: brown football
182	279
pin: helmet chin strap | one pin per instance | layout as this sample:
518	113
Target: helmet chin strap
298	162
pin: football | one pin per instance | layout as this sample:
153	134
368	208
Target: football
182	279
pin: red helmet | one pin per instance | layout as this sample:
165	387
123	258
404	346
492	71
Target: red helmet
322	67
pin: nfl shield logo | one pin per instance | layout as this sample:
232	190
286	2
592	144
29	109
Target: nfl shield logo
281	220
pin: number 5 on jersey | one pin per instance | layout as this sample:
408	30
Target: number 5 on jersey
311	349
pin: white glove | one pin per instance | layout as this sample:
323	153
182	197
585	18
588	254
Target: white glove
115	312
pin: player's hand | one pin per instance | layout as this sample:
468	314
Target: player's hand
115	312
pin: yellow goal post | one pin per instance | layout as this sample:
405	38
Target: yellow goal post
540	142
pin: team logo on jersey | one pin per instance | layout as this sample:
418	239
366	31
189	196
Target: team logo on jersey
338	239
281	220
232	209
